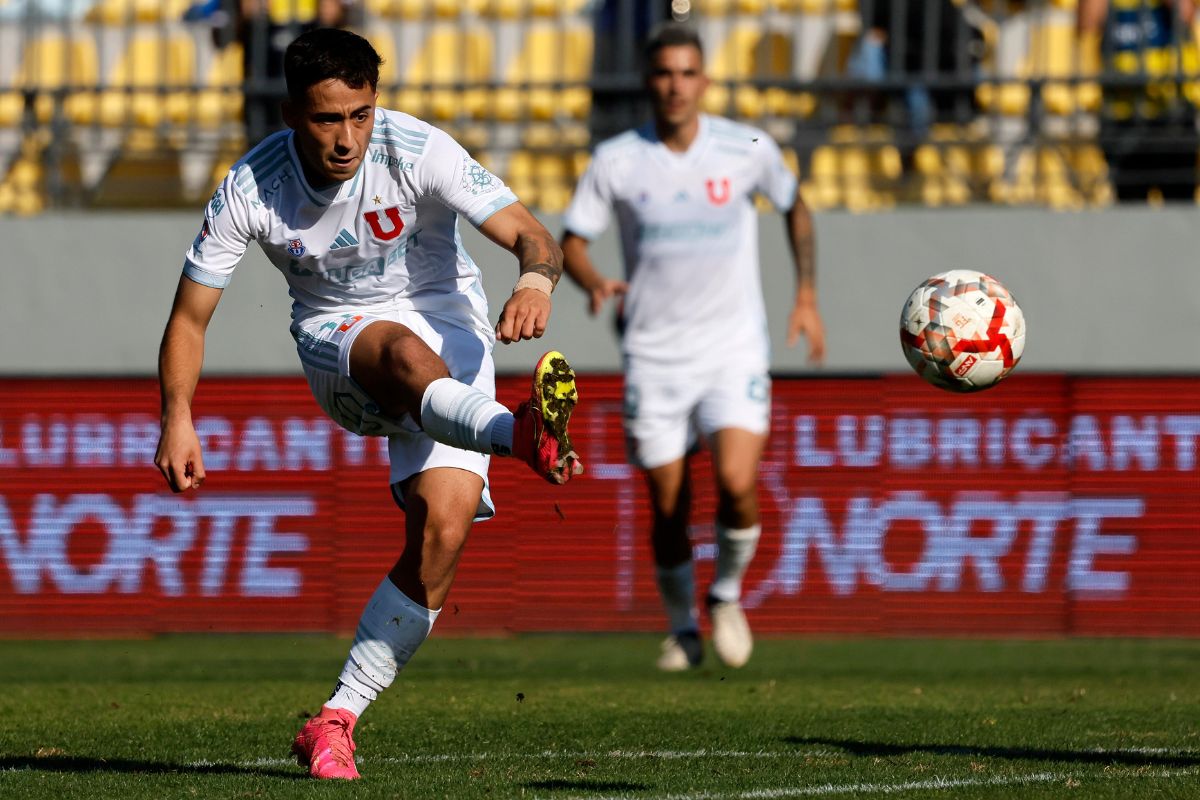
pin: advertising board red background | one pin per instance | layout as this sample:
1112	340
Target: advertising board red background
1050	505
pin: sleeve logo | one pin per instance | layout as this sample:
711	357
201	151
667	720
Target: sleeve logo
217	204
476	179
296	247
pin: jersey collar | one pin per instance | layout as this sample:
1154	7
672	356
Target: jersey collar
346	190
690	156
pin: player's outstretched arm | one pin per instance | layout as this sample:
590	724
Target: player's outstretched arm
805	318
527	312
577	263
180	357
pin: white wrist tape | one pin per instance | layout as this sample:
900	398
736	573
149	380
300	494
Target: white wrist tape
532	280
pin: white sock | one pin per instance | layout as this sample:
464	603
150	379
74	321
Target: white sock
461	416
390	630
735	550
677	586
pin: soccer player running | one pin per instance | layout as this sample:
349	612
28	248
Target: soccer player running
357	206
694	338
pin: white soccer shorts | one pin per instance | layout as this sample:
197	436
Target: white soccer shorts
667	409
323	342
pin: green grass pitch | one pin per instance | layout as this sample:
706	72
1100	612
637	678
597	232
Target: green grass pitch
587	717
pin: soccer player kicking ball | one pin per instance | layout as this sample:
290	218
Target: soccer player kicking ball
694	338
357	206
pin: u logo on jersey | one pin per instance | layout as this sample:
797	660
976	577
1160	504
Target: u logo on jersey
718	191
393	215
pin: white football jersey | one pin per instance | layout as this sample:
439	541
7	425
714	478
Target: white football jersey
387	238
689	232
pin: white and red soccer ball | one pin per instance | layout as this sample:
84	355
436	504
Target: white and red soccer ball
962	330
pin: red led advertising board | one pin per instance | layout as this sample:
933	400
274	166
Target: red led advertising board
1050	505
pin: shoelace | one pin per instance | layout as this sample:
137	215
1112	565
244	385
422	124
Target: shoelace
341	746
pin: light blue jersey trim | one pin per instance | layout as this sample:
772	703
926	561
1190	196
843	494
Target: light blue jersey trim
312	196
362	165
397	144
204	277
395	129
263	160
316	352
482	216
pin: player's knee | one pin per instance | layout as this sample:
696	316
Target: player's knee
736	486
407	359
445	538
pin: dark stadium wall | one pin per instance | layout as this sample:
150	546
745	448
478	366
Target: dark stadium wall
1113	291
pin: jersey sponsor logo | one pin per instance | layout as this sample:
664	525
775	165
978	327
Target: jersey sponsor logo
381	156
217	203
344	239
352	273
476	179
275	186
718	191
296	247
393	215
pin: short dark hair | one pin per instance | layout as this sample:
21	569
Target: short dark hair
671	34
325	53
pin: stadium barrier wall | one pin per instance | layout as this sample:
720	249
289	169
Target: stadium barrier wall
1048	506
1109	291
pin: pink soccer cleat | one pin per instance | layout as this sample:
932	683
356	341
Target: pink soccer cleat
325	746
540	425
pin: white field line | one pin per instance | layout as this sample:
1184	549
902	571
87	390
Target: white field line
662	755
862	789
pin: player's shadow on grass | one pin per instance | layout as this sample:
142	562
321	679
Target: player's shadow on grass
125	765
1129	758
587	786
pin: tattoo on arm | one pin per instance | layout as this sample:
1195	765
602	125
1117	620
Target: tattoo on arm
803	243
806	260
539	253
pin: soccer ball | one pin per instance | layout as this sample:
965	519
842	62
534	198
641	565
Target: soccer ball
962	330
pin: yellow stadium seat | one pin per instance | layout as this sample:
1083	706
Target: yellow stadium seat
283	12
1038	45
220	100
428	9
449	55
552	175
1055	52
12	109
124	12
520	176
747	53
549	55
523	9
377	8
381	39
52	61
147	79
